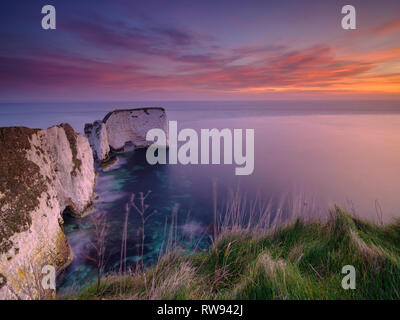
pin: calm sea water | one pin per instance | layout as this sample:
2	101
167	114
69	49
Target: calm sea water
327	153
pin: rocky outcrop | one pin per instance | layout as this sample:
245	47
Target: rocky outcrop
122	127
42	172
97	135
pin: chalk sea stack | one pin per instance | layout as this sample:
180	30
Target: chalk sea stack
42	173
122	127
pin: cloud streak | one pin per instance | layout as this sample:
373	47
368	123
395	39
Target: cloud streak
389	28
315	67
127	56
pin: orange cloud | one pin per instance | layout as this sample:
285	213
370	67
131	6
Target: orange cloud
388	28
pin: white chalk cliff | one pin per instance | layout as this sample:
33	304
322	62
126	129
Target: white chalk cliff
42	172
120	127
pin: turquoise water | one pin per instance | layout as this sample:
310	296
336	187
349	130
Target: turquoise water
114	189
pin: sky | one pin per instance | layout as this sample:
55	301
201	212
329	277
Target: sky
199	50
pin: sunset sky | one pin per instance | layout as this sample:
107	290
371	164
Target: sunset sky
199	50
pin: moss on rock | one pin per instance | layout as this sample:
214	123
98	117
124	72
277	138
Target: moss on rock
21	183
63	253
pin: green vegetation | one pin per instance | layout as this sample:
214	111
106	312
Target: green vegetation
296	261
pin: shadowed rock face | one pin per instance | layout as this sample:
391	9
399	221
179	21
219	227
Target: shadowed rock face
120	127
97	135
42	172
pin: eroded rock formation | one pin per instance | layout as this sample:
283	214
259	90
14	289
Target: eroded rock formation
120	127
97	135
42	172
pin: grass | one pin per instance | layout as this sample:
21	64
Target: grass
302	260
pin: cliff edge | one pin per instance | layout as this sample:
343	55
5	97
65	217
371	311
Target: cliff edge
42	172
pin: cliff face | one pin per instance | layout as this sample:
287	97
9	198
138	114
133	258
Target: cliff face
42	172
124	126
97	135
